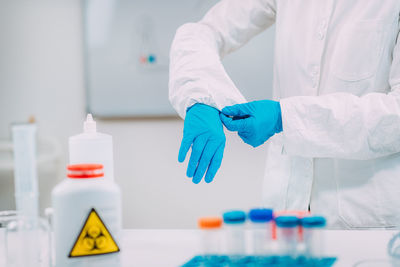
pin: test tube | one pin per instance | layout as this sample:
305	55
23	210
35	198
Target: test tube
287	229
210	235
234	232
261	223
313	235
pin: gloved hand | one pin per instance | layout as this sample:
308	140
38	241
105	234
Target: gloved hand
255	121
202	128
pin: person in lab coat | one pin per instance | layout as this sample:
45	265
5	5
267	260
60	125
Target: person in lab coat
334	135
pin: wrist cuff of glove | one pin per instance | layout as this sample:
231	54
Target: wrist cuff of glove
279	122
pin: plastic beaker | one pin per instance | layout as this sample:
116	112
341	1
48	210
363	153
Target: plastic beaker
27	242
5	218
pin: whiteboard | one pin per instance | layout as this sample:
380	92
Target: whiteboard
127	45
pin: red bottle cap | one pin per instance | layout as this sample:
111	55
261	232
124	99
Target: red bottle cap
210	222
83	171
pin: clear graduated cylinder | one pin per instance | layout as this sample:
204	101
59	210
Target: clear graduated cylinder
25	170
261	231
287	233
234	232
26	235
313	236
210	235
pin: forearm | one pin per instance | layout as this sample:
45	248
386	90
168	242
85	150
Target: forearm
342	125
196	71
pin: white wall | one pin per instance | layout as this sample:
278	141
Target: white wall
41	74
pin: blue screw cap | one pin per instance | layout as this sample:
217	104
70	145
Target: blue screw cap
261	215
313	222
287	221
234	217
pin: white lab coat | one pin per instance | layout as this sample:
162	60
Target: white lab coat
337	75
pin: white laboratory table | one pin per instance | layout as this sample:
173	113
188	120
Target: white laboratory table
175	247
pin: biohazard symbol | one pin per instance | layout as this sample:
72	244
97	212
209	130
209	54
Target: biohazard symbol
94	238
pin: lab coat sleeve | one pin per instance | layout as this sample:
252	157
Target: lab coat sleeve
196	72
342	125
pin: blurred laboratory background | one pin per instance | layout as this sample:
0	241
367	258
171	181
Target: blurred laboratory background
61	59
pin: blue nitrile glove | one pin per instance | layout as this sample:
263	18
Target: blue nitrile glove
202	128
255	121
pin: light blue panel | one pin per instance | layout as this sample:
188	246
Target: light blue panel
119	33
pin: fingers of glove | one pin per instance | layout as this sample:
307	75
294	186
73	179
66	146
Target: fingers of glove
184	148
215	164
236	110
232	125
208	153
197	149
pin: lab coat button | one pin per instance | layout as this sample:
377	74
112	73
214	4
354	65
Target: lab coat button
315	71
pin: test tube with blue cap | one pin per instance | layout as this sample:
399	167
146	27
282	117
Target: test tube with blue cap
234	232
261	221
313	235
287	227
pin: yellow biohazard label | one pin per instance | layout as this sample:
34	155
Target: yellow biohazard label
94	238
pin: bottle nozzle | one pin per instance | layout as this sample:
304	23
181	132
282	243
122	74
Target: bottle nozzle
89	126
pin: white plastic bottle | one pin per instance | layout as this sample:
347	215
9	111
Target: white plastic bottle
87	218
92	147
